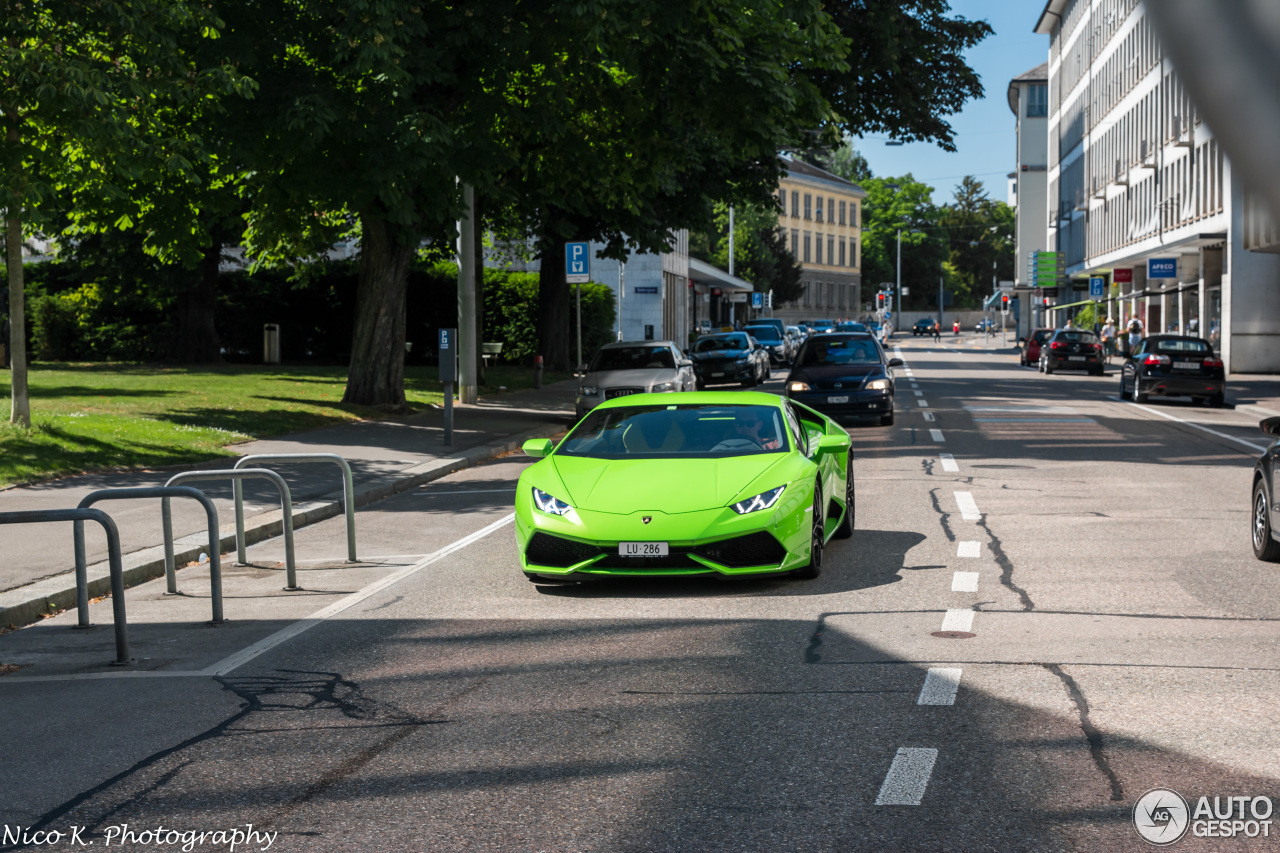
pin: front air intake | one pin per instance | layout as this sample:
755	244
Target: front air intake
547	550
754	549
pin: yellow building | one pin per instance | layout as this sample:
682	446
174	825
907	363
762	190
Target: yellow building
821	222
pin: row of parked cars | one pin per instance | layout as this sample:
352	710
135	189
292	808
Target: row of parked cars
840	373
1159	366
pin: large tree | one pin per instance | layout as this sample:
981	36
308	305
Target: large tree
82	80
902	206
760	254
980	237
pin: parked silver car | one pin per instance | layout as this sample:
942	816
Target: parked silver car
634	367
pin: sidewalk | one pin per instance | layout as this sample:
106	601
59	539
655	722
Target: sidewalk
386	457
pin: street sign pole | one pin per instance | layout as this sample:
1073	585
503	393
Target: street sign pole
577	270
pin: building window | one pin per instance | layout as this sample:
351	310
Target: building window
795	242
831	210
808	206
817	248
853	214
1037	101
819	210
841	251
795	204
831	250
782	199
842	213
806	247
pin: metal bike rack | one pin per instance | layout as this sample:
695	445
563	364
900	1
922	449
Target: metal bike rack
35	516
348	494
171	578
286	505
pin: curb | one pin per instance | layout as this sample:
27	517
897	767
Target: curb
28	604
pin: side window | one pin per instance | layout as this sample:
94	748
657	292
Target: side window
797	435
812	431
1140	348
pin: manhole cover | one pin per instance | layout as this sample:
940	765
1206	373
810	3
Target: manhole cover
953	635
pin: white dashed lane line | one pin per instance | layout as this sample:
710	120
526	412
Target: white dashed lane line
928	416
918	393
958	619
908	777
969	549
964	582
949	463
924	404
968	507
936	435
940	686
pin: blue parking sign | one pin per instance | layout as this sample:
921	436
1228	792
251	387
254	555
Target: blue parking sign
1097	287
757	300
577	263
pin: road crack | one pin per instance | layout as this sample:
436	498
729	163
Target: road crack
1006	566
1091	732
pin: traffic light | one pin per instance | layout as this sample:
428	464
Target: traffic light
879	300
1004	302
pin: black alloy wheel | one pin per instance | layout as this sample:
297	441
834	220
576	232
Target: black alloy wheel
1264	547
845	530
817	538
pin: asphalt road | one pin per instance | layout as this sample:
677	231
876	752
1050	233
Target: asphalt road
1049	608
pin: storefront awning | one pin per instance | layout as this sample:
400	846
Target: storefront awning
705	276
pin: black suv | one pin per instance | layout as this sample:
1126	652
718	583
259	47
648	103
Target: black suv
923	326
1072	349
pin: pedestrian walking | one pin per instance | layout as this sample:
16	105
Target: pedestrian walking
937	331
1108	336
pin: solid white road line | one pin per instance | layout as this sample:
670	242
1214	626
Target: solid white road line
968	506
928	416
908	777
949	463
959	619
964	582
1261	448
936	435
940	686
969	549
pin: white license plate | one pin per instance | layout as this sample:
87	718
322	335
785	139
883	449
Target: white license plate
642	549
1187	365
1075	358
718	374
837	399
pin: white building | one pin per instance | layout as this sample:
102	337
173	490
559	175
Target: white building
1134	176
1029	184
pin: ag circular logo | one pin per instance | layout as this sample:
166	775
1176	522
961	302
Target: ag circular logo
1161	816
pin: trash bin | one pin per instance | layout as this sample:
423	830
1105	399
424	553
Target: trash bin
270	343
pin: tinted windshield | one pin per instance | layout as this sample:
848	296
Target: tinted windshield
1187	345
840	351
768	334
1041	335
677	432
633	358
1077	337
727	342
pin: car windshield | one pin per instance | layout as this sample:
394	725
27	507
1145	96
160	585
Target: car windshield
851	327
1041	335
1182	345
840	351
632	358
677	432
727	342
767	334
1077	337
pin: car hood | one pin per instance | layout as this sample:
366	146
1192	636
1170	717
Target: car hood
642	378
625	486
850	376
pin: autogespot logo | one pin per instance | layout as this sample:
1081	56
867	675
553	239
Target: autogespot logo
1161	816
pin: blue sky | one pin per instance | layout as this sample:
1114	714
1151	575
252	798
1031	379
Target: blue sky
984	128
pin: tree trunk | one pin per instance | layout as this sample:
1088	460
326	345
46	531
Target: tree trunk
195	335
20	412
553	306
376	374
479	267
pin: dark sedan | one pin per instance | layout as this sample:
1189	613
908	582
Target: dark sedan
1265	513
844	376
1072	349
923	326
1173	366
731	357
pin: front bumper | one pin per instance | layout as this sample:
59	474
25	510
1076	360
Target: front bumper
724	543
856	404
730	373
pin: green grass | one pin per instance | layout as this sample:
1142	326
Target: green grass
88	417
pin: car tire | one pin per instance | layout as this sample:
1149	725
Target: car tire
817	539
845	530
1264	547
886	420
1136	395
1217	401
1048	370
1123	393
1040	365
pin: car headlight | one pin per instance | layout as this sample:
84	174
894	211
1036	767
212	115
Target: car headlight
744	359
663	386
764	500
588	390
550	504
878	385
798	386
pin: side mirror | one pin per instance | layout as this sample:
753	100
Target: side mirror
538	448
895	362
1270	426
684	362
834	443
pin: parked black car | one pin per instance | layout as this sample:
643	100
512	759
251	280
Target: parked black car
844	376
730	357
1266	540
1072	349
1173	366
